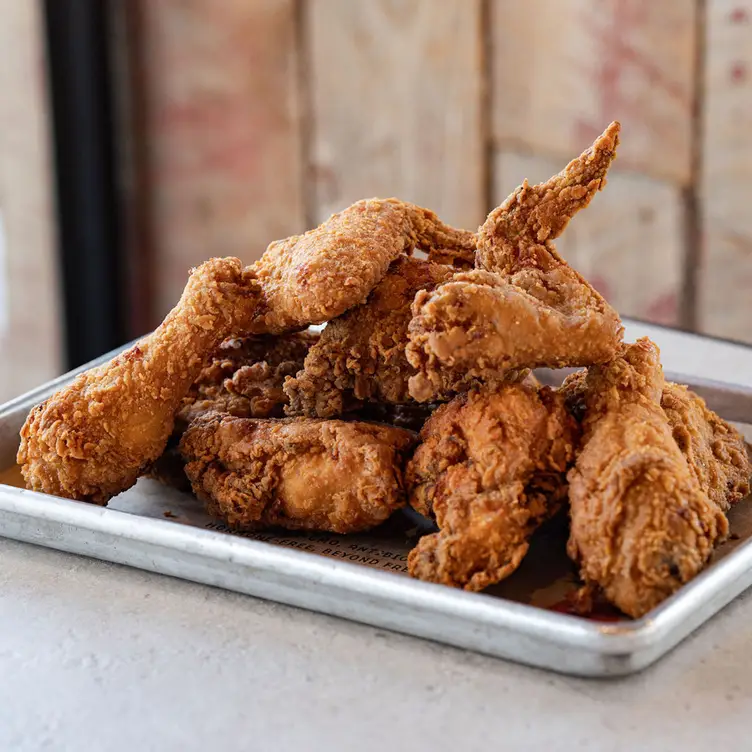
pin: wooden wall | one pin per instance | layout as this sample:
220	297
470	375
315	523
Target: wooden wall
30	322
264	117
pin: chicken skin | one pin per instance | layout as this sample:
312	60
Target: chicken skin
315	277
524	306
92	439
490	469
360	356
716	452
641	524
296	473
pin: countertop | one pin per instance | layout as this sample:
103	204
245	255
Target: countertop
95	656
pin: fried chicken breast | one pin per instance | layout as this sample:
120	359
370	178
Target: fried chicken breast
296	473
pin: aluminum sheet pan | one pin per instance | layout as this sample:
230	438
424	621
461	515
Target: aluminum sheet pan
363	578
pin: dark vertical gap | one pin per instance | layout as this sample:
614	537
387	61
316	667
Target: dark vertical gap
88	233
134	183
307	125
488	95
693	227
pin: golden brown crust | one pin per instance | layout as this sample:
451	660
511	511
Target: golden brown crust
245	377
92	439
296	473
360	356
641	526
490	468
315	277
716	452
524	307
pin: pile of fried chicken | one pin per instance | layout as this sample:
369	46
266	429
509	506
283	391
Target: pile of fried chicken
428	328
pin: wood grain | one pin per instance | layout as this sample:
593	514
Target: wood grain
725	278
628	243
223	121
397	102
561	71
30	310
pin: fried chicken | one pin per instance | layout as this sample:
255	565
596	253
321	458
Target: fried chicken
490	469
524	307
360	356
92	439
245	377
641	525
296	473
315	277
716	452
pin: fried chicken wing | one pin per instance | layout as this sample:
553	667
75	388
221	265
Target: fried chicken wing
715	451
641	525
360	356
296	473
92	439
490	469
315	277
524	307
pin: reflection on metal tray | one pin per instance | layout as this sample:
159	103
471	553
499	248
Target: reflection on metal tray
363	577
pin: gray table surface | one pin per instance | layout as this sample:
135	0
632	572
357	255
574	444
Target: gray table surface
95	656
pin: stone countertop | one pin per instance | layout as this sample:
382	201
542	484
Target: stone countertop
101	657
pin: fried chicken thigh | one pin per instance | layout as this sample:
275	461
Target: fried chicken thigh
361	355
641	525
524	307
315	277
296	473
490	469
92	439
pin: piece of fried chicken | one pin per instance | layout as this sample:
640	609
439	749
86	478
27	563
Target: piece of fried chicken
296	473
246	375
360	356
92	439
490	469
641	525
315	277
715	451
524	307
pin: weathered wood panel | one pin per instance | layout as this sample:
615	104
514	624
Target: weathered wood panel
628	242
725	277
223	127
30	319
397	102
561	71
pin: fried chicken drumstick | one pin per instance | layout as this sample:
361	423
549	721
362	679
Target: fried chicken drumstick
315	277
641	524
490	469
524	307
93	439
296	473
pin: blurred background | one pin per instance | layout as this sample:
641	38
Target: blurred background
139	137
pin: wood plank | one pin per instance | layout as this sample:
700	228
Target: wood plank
561	71
30	309
224	127
397	100
725	278
627	243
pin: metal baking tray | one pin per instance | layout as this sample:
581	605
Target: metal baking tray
362	578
